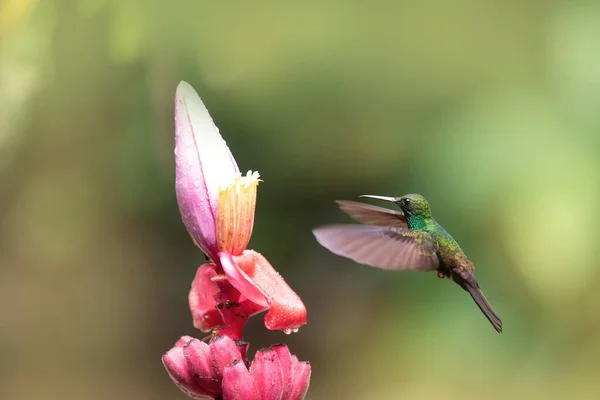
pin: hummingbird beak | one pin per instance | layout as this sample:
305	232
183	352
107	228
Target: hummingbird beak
384	198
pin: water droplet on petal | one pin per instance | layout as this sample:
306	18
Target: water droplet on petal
295	330
196	183
288	331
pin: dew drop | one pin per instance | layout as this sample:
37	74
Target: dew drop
196	183
288	331
295	330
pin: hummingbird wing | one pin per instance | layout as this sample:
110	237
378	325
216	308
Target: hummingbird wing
382	247
372	215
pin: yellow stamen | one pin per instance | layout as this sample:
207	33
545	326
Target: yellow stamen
237	202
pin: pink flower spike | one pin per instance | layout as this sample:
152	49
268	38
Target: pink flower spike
202	301
203	163
238	384
183	340
267	375
253	273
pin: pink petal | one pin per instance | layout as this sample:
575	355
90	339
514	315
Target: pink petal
202	301
203	162
223	351
301	380
197	356
238	384
243	348
176	365
287	310
240	280
267	375
183	340
285	360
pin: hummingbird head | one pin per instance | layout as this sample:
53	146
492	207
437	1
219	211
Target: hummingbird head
412	205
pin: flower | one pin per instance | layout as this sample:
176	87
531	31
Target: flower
217	206
203	164
218	370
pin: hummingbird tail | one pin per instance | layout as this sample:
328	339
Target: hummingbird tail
484	305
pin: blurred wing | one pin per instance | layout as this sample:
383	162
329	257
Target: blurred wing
381	247
372	215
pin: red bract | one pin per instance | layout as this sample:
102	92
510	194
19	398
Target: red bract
258	287
218	370
202	299
216	304
257	280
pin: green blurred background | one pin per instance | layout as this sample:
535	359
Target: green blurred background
488	108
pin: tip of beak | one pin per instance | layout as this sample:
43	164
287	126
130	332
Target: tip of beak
384	198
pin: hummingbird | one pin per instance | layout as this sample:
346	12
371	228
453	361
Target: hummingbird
404	239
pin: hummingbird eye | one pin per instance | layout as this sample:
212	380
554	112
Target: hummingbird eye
405	202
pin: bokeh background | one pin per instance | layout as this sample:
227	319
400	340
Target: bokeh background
488	108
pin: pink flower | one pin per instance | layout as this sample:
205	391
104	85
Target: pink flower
203	163
217	205
218	370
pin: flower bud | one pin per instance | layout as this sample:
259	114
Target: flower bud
203	163
218	370
267	374
223	351
187	366
238	384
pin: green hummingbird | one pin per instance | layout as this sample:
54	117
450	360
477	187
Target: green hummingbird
408	239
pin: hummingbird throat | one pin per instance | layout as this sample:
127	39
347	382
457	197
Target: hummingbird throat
416	222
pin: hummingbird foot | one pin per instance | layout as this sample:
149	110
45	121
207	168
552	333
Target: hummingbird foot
210	337
440	274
